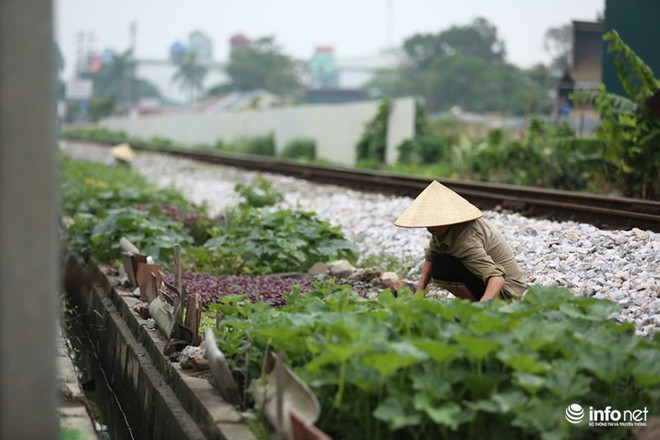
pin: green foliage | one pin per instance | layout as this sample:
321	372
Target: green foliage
373	143
159	142
94	134
478	39
71	434
99	236
103	209
190	75
558	42
626	150
259	145
300	149
116	79
262	65
520	162
101	108
255	241
465	66
258	193
422	150
95	188
425	147
412	367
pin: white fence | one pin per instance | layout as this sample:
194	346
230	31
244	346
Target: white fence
336	128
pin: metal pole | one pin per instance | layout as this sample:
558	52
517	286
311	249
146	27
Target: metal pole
29	285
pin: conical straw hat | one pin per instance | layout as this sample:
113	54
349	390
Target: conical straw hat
437	205
123	152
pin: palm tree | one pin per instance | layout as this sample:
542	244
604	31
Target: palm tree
114	79
190	75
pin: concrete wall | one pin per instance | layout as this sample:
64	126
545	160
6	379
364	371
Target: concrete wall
336	128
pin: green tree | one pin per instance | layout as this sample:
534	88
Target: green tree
463	66
478	39
116	81
372	145
262	65
190	75
558	43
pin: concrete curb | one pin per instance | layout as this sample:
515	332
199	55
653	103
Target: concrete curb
162	400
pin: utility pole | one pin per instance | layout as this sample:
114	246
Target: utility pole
132	65
29	270
390	23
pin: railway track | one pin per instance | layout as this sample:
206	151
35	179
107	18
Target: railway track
602	211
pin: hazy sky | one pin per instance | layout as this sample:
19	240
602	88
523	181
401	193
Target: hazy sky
355	28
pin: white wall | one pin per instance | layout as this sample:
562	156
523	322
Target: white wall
336	128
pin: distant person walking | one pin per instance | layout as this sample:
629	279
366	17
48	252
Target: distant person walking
466	255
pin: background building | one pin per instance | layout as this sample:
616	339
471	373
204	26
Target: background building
322	67
638	24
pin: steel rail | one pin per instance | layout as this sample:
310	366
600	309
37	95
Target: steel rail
602	211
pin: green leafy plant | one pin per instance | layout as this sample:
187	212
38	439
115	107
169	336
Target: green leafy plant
519	162
372	145
412	367
300	149
258	193
422	150
117	203
95	188
259	145
256	241
106	203
99	236
425	147
626	151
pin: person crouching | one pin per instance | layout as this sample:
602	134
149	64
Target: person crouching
467	255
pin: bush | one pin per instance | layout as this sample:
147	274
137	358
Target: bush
373	143
101	107
95	134
254	241
625	154
422	150
259	145
258	193
301	149
518	162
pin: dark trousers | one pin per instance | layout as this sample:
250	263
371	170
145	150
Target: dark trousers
448	268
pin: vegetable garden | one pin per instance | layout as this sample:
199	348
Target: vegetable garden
389	367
